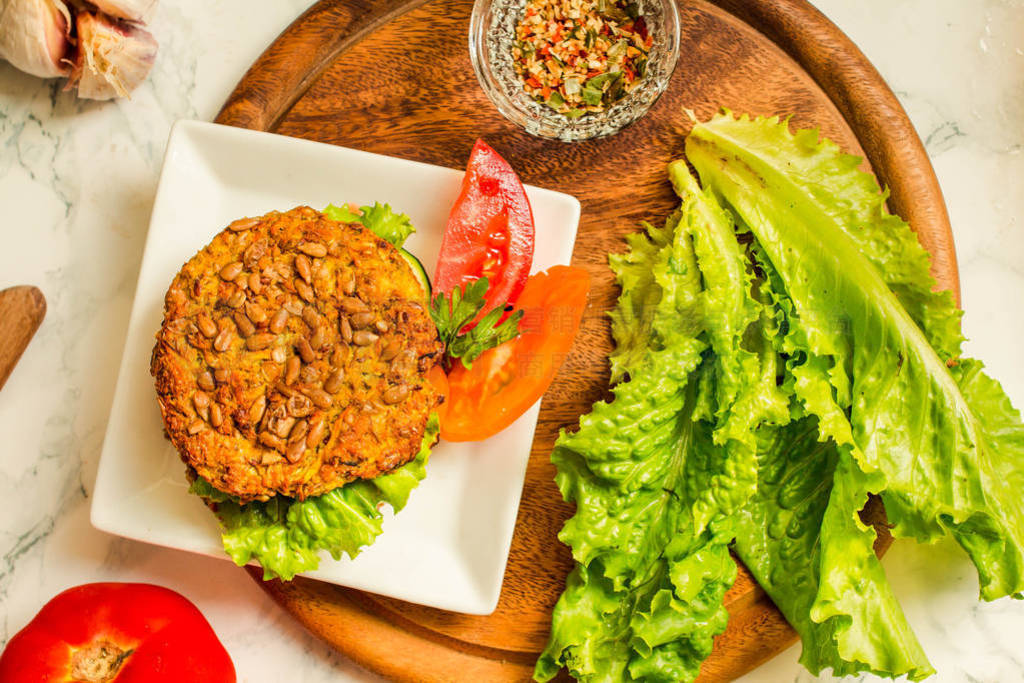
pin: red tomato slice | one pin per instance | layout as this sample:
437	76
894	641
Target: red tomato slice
489	232
506	380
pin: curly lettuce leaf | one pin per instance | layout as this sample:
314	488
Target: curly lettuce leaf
943	470
739	389
854	597
833	589
633	317
853	200
779	538
653	485
286	535
781	356
645	600
380	218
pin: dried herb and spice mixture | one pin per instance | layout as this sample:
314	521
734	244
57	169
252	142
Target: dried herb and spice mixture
578	56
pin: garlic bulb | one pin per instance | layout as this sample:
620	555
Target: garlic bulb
34	36
113	57
132	10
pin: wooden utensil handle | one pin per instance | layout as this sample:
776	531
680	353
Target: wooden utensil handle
22	310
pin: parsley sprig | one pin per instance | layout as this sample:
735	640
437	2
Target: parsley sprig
452	312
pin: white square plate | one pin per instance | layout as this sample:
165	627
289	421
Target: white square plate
449	546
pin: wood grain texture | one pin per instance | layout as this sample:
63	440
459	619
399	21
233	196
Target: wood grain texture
22	310
397	80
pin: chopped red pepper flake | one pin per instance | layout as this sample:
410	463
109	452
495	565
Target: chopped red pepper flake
640	27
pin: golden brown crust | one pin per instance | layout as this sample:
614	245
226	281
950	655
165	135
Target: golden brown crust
292	355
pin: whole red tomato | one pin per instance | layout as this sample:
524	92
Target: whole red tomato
123	632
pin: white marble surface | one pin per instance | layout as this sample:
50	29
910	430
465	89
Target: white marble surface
76	187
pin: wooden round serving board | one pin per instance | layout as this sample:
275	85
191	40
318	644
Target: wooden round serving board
394	77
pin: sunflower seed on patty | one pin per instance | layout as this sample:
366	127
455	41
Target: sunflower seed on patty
271	441
395	394
345	327
364	338
245	326
283	388
223	341
304	268
196	426
305	350
291	370
319	397
299	406
311	317
298	432
231	270
304	290
283	426
295	451
316	433
255	313
206	325
256	410
348	284
258	342
318	340
270	457
334	381
255	283
351	304
205	381
236	299
255	251
243	224
391	350
216	416
381	326
201	401
279	321
278	354
309	374
362	319
222	375
314	249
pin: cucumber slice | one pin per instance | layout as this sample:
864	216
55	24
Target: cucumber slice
420	272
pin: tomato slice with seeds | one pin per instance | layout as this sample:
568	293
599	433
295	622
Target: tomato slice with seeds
506	380
489	232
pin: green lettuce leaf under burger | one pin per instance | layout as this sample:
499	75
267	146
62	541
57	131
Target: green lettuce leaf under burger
286	535
380	218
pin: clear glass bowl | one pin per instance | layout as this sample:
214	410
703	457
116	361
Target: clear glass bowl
492	31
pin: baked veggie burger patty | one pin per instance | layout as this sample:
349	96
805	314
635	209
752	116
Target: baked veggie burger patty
292	357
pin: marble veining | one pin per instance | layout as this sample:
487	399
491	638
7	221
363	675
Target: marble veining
76	185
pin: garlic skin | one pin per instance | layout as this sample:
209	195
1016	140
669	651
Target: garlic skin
113	57
130	10
34	36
